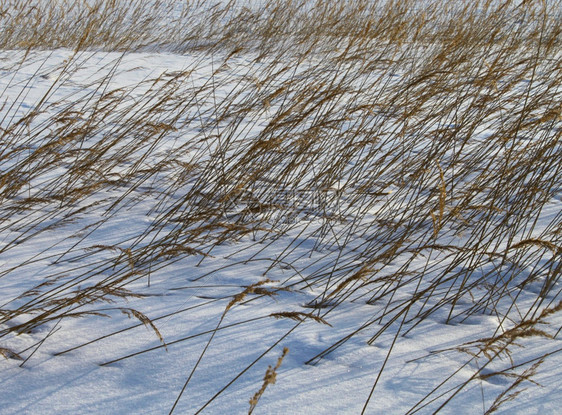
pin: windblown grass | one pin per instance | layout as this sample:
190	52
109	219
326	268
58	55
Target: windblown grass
415	145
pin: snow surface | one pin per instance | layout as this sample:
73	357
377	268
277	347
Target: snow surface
186	299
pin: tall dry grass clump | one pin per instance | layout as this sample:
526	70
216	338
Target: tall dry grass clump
413	147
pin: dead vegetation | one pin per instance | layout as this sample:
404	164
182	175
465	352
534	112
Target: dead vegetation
415	144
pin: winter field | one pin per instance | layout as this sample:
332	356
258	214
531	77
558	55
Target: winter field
282	207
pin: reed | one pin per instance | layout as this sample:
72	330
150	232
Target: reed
412	147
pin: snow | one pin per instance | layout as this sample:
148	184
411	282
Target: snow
115	364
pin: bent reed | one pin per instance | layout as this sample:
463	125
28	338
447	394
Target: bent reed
415	146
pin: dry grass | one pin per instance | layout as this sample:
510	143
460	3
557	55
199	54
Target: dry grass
423	134
269	379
